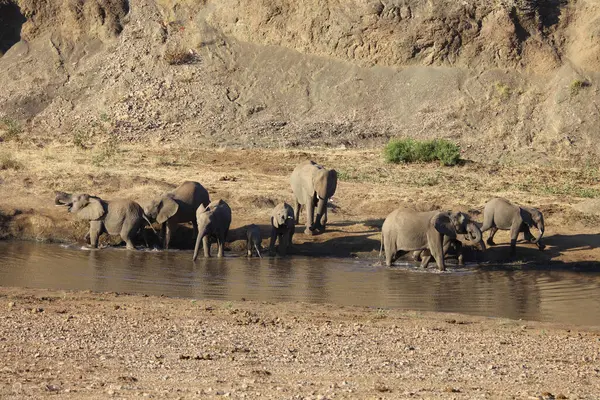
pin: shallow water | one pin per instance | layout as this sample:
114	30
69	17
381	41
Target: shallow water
543	295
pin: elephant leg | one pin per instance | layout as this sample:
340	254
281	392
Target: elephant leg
220	242
514	234
283	238
435	241
248	246
195	226
206	246
290	236
272	242
323	221
390	250
425	258
416	255
86	238
171	228
297	212
95	231
310	216
490	240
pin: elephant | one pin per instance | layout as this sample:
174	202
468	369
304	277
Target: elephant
313	186
407	231
500	213
117	217
451	246
282	226
253	240
176	207
213	222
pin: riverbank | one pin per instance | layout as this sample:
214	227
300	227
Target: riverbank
253	181
99	345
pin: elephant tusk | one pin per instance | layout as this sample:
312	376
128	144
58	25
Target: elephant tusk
150	223
257	251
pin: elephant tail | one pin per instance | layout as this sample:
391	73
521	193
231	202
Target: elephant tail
381	246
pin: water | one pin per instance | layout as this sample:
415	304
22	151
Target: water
543	295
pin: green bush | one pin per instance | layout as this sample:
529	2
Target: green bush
410	150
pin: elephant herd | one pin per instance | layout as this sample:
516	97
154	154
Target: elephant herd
426	234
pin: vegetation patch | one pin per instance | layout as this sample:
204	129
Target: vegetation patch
179	57
10	129
579	84
502	89
8	162
410	151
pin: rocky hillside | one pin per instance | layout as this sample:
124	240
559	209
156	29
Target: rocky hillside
510	80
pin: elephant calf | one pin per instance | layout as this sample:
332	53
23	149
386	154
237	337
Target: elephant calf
409	231
253	240
116	217
500	213
282	226
213	222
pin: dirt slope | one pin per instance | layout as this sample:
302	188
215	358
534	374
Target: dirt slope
513	80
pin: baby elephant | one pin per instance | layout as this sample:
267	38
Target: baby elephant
500	213
283	226
253	240
213	222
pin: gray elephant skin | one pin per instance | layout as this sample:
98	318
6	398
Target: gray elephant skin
451	246
116	217
408	231
500	213
313	186
213	223
253	240
283	226
177	207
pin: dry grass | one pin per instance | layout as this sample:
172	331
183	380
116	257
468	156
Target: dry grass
368	188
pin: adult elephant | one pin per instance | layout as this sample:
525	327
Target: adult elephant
500	213
176	207
213	223
407	231
116	217
313	185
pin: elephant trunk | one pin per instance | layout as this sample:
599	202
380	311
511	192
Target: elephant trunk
201	234
539	235
474	233
320	211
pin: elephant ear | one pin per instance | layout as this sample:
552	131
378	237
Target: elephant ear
91	209
444	224
168	208
62	198
331	182
526	216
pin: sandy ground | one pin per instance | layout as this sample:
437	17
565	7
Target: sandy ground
254	181
109	345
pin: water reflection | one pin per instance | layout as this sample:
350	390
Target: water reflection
560	296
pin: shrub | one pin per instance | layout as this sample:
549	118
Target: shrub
577	85
8	162
410	150
12	129
179	57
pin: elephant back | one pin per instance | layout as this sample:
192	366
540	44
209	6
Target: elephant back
122	211
189	196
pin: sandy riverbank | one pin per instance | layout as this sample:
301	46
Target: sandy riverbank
100	345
